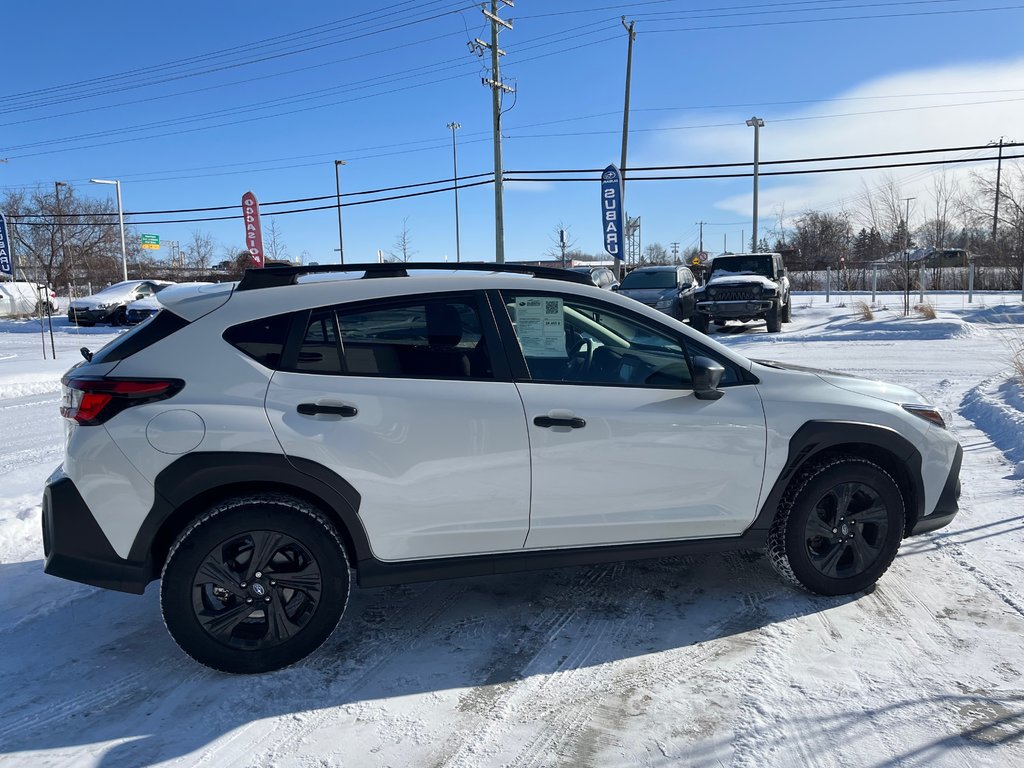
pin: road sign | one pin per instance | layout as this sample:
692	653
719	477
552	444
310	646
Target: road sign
150	242
611	210
703	256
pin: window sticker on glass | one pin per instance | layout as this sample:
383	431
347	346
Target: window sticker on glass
540	324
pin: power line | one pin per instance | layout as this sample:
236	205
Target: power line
808	171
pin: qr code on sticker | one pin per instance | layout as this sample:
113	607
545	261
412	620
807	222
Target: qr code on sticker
551	307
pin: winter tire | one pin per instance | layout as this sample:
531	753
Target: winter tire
699	322
774	318
787	311
255	584
838	528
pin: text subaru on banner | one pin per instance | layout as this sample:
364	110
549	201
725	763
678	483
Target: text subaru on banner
611	210
6	262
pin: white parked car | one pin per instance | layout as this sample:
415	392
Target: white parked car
142	309
25	298
111	304
254	444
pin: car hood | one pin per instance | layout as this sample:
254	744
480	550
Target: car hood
764	282
880	390
647	295
150	302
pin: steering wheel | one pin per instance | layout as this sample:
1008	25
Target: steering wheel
581	357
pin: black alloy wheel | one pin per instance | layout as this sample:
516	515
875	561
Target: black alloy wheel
257	590
255	584
845	533
839	526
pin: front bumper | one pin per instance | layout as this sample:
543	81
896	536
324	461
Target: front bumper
75	547
735	309
948	504
91	315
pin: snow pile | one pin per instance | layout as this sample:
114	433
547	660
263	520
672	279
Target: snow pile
20	377
996	406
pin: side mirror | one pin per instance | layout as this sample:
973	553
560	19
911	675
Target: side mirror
615	286
706	376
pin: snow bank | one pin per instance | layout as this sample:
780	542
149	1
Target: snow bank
19	378
996	406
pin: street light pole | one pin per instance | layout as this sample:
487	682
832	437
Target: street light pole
757	124
120	221
455	172
337	186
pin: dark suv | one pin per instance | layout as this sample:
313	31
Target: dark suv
666	288
745	286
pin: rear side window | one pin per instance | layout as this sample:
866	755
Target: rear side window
145	334
263	340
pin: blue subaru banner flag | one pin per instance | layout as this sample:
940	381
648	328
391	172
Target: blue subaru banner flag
6	262
611	210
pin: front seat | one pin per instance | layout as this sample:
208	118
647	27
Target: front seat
444	332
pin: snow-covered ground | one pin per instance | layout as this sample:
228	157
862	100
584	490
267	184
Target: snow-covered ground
702	661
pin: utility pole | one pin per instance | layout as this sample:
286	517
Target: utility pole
337	187
701	225
625	123
906	257
675	253
497	89
757	124
995	213
455	172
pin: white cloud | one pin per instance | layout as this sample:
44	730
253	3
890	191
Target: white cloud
870	121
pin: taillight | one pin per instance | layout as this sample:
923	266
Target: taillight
93	401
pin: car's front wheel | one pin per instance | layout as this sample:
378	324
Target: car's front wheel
699	322
255	584
787	310
838	528
774	318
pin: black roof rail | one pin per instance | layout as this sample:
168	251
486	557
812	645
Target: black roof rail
270	277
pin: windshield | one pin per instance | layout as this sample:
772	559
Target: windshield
742	265
115	288
661	278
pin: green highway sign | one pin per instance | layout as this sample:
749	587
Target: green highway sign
151	239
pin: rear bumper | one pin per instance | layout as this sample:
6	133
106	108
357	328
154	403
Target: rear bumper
76	548
948	505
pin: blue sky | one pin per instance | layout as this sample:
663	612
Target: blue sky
375	84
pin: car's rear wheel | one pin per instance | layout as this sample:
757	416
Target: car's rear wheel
838	528
255	584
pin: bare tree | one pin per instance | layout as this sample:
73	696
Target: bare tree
656	253
273	245
66	239
564	243
200	251
403	244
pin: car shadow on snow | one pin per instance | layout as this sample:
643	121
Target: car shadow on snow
102	669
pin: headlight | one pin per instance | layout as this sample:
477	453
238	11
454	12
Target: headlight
766	291
927	413
664	303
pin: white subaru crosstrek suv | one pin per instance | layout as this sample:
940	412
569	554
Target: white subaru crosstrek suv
254	444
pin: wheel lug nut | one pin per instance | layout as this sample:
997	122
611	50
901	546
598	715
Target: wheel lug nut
258	575
834	530
273	583
243	585
266	599
248	599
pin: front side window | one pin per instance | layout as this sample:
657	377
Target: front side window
567	340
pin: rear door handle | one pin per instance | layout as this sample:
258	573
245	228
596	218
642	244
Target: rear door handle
573	422
314	409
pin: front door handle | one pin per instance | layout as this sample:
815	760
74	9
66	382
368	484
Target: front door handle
573	422
313	409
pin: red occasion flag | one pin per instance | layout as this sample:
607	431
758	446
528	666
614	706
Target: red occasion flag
253	233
